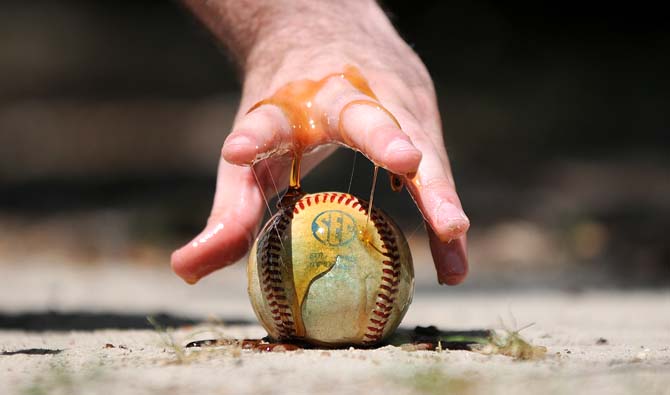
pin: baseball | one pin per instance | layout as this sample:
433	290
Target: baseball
321	271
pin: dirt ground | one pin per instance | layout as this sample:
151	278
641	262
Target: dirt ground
56	337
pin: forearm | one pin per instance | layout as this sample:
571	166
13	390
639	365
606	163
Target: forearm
255	30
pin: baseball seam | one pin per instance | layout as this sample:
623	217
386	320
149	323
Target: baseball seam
388	287
271	278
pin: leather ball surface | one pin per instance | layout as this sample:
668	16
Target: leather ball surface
322	272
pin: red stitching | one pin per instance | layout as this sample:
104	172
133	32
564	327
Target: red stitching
270	259
325	197
386	233
386	238
381	314
389	279
386	298
272	280
386	288
300	204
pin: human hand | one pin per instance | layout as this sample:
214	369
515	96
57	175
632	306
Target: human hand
296	48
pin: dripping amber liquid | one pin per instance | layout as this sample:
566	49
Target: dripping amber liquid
296	101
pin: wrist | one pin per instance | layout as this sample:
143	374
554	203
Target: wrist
305	36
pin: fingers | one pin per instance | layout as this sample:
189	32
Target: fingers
446	222
237	210
451	262
373	131
435	194
337	113
264	130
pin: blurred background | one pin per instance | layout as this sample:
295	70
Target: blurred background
112	114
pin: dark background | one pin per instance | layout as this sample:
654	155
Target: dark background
112	114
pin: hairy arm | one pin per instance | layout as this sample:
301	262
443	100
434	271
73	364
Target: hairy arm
255	31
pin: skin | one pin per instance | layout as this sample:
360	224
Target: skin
275	42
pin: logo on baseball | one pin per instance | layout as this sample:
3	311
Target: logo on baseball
334	227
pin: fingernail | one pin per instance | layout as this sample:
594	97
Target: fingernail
402	156
240	139
451	221
400	145
239	148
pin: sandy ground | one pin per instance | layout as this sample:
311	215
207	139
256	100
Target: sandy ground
56	337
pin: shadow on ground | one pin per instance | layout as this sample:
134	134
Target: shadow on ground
433	337
419	338
84	320
33	351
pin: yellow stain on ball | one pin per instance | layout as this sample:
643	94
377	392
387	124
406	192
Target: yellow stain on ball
324	272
